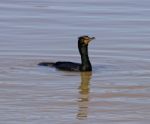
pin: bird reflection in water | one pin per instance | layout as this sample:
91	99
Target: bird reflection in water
84	90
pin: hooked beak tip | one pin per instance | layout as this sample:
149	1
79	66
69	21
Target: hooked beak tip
92	38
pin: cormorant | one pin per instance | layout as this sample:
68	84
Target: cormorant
85	65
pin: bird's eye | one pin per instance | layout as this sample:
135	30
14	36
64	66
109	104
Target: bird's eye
82	40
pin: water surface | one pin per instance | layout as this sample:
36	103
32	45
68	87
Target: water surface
118	90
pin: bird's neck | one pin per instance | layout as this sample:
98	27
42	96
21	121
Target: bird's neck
85	62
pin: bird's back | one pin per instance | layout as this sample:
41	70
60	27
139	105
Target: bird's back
67	66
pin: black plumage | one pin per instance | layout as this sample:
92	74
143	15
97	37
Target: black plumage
85	65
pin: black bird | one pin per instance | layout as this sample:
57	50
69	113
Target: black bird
85	65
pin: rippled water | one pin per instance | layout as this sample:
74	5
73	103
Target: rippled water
118	90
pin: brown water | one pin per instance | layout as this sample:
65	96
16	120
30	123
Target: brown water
118	90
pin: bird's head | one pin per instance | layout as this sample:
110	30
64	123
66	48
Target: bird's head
84	40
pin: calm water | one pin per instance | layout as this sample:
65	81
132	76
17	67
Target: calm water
118	90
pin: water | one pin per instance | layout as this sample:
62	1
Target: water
118	90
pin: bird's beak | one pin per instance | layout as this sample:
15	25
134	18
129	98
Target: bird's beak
92	38
86	41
